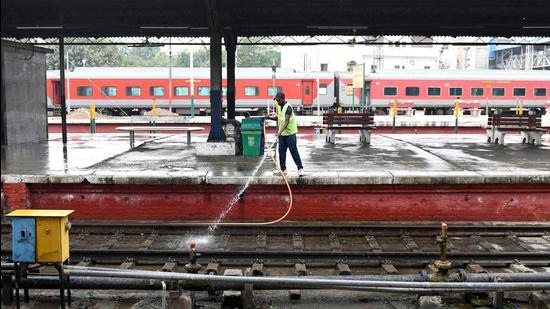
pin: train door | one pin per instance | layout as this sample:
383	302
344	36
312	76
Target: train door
56	96
307	92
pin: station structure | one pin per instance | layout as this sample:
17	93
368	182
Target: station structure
398	179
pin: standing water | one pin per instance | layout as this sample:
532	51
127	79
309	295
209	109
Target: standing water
237	197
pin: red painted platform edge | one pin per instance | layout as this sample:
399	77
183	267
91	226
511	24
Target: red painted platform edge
480	202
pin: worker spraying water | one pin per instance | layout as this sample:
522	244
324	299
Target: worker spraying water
286	135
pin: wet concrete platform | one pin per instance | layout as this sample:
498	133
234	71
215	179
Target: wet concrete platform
396	178
390	159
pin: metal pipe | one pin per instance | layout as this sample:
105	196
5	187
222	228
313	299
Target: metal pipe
466	277
52	282
79	282
304	281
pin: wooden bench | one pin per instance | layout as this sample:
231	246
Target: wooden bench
529	126
132	131
363	122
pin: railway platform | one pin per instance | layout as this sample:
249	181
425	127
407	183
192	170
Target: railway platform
396	178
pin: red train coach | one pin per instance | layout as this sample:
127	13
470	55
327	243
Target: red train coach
133	89
435	91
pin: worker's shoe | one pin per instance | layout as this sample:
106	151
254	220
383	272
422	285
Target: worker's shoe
301	172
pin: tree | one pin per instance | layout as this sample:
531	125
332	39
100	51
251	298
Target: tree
87	55
144	57
201	58
258	56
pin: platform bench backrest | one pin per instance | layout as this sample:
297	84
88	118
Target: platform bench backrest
528	121
335	120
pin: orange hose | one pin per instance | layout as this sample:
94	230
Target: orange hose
270	152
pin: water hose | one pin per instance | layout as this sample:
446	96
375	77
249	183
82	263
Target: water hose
272	156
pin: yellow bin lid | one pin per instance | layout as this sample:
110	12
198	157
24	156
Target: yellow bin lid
40	213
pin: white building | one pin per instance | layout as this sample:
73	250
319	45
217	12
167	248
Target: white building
396	56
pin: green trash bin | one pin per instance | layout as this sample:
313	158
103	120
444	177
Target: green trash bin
251	135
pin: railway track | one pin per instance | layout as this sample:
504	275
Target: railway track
357	251
356	246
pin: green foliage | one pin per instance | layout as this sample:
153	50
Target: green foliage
122	56
258	56
90	56
144	57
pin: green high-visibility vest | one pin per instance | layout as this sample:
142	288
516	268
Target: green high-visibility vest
292	127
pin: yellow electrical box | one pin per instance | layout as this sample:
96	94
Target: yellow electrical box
52	233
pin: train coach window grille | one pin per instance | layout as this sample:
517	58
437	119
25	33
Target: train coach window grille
203	91
476	92
272	91
412	91
519	92
391	91
133	91
251	91
84	91
434	91
156	91
540	92
108	91
323	89
181	91
498	92
455	92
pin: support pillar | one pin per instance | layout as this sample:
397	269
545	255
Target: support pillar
230	47
216	132
62	93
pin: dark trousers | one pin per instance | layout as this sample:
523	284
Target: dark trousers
288	142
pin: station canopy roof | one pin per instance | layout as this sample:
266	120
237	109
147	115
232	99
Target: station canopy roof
195	18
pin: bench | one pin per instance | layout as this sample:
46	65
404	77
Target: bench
363	122
407	107
132	131
529	126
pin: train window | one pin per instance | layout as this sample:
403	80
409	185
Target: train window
476	92
84	91
435	91
390	90
455	92
412	91
224	91
156	91
108	91
519	92
133	91
203	91
498	92
180	91
56	88
323	89
272	91
251	91
540	92
307	90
